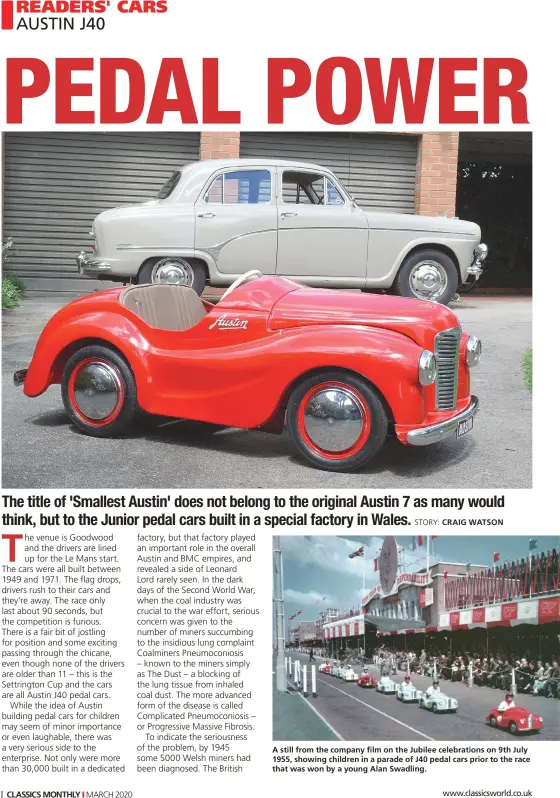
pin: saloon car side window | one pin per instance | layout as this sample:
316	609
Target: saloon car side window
169	186
251	187
303	188
334	196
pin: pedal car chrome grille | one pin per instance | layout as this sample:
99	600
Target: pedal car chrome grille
446	350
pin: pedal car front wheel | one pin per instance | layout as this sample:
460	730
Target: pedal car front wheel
337	421
99	391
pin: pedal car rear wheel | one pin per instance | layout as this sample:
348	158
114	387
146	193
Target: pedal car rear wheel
337	421
99	391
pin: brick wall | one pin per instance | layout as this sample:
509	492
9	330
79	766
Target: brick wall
219	145
436	174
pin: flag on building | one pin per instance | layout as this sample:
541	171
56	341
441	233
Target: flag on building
417	540
433	537
468	568
445	574
496	556
533	544
299	613
358	553
375	565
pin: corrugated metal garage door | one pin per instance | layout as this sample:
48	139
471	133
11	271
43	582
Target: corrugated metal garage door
56	183
378	170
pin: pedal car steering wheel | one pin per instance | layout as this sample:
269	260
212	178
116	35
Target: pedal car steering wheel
252	275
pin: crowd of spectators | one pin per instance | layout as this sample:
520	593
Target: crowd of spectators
495	670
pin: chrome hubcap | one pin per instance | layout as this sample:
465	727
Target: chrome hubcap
428	280
173	272
333	420
97	390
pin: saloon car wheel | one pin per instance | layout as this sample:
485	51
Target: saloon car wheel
428	274
174	271
337	421
99	391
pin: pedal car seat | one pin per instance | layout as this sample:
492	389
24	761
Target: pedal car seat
167	307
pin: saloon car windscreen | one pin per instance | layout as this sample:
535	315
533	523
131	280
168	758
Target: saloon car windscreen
302	188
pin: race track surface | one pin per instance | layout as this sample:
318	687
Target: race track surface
356	713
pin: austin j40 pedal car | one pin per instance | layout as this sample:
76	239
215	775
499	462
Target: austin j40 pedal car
387	686
338	369
407	693
516	720
366	680
438	702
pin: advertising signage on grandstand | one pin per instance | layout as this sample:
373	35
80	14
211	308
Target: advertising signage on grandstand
537	575
426	597
531	611
401	581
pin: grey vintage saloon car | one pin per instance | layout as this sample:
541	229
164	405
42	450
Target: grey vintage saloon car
215	220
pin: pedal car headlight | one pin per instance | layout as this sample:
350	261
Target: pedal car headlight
474	350
427	368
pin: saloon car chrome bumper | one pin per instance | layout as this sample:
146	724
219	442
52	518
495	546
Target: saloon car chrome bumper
92	267
476	268
438	432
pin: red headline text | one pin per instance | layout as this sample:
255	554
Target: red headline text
374	91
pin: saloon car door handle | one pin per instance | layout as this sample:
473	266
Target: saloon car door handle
206	215
285	215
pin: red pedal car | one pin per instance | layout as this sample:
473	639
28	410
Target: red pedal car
366	680
336	367
516	720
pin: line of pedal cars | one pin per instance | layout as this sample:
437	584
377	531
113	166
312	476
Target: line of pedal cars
507	716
